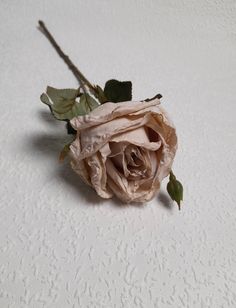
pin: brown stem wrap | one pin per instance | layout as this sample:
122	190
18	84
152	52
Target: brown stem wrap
77	73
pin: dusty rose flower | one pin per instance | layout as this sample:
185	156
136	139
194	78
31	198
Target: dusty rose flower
124	149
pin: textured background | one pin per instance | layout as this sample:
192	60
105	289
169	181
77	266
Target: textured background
61	246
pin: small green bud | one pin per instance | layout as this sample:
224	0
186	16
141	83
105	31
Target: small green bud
175	189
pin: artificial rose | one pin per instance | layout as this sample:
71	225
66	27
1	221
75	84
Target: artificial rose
124	149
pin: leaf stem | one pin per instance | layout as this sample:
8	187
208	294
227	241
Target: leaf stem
77	73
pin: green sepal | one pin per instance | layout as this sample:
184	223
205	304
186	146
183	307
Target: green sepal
118	91
159	96
64	152
100	95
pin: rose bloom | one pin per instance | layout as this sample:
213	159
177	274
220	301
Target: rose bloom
124	149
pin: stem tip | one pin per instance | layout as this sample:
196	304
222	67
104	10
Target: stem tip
41	23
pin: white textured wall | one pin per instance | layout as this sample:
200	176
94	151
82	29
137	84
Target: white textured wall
61	246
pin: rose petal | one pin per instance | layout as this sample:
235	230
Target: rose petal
79	166
129	191
95	137
139	137
99	175
109	111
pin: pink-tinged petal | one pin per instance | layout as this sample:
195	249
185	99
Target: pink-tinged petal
138	136
109	111
93	138
98	174
92	170
129	191
79	166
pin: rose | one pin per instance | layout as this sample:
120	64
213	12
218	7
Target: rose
124	149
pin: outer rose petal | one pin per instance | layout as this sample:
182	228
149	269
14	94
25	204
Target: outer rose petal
123	124
92	170
109	111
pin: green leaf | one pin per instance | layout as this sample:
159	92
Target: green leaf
118	91
45	99
86	104
58	95
63	104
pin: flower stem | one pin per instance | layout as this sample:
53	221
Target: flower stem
77	73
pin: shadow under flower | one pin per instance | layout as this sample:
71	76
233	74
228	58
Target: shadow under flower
164	200
70	178
50	146
118	203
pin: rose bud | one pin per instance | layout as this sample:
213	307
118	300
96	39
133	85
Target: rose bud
175	189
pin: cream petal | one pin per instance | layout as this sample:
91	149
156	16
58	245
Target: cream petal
117	156
146	166
129	191
109	111
92	170
154	162
117	148
116	176
79	166
134	195
158	110
139	137
95	137
98	175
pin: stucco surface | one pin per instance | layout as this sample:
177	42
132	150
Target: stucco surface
60	245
